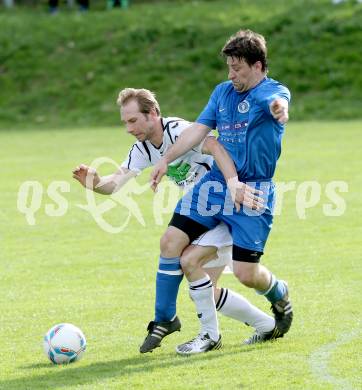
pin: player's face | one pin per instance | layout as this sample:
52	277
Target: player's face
241	74
137	123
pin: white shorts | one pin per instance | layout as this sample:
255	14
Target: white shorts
220	238
224	258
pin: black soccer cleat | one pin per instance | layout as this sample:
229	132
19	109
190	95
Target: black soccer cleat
283	312
157	331
261	337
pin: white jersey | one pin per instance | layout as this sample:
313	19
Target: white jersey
187	169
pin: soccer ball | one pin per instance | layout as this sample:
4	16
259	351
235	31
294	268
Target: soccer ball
64	343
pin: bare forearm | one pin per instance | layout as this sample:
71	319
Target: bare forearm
190	137
105	186
113	183
221	157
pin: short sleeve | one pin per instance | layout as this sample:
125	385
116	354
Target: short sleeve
270	93
208	115
137	159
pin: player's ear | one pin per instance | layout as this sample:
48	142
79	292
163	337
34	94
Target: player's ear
258	66
153	113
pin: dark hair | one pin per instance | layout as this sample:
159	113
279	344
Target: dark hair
247	45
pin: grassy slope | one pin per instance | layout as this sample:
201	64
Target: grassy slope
67	70
67	269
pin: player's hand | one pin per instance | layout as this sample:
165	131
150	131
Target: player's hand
158	172
243	194
87	176
279	110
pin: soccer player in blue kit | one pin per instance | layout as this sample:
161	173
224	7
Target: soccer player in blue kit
249	111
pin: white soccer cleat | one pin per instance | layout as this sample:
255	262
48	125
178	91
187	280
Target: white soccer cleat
261	337
200	344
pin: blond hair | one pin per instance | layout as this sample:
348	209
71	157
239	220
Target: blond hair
145	98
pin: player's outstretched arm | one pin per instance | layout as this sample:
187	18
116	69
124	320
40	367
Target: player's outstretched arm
106	185
189	138
240	192
279	109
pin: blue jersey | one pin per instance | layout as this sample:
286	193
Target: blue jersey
247	130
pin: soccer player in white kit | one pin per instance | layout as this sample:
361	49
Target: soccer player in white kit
141	114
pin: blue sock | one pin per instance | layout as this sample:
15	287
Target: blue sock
276	290
168	280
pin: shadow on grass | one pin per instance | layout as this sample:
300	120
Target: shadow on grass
65	376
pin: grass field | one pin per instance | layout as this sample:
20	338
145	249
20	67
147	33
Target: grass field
67	70
66	269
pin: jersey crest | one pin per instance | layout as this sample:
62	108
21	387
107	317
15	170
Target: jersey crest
180	173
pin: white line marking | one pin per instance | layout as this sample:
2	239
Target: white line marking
320	358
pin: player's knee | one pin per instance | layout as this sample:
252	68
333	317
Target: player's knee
188	263
246	277
246	267
168	245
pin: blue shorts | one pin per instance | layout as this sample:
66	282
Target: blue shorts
209	202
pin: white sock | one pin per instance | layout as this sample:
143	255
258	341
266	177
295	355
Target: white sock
202	294
235	306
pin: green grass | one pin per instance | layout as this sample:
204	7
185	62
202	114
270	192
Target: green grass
67	269
67	70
